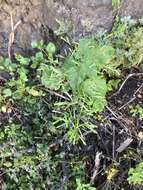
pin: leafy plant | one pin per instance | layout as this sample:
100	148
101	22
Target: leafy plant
137	111
84	71
82	186
127	41
136	175
116	3
77	125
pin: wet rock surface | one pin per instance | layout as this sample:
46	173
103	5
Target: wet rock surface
76	18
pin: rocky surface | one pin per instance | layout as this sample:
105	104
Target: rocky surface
30	12
76	18
79	17
133	8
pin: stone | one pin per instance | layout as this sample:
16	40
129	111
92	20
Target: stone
30	28
133	8
79	17
75	18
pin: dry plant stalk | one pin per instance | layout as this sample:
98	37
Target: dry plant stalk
11	35
96	167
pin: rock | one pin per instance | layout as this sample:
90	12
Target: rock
76	18
133	8
79	17
30	28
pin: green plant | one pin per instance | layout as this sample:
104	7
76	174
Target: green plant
82	186
76	123
127	40
22	162
137	111
25	159
136	175
116	3
49	108
84	71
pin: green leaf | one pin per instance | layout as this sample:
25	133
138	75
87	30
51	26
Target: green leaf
33	92
136	175
37	44
116	3
39	56
7	164
23	74
94	90
22	60
18	94
7	92
37	59
51	77
34	44
51	48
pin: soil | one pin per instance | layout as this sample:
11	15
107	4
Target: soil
112	133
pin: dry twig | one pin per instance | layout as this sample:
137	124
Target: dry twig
124	145
11	35
134	97
96	167
58	95
127	78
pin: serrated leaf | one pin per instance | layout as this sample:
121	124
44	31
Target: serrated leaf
23	74
94	90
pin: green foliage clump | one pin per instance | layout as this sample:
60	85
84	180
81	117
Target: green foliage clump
136	175
25	135
137	111
126	38
82	186
47	103
134	44
24	160
84	71
116	3
27	102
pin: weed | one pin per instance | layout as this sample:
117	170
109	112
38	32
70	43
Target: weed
84	71
136	175
81	186
137	111
116	3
